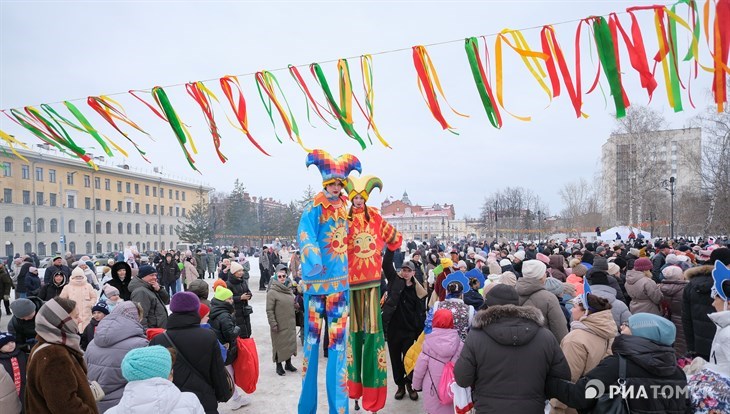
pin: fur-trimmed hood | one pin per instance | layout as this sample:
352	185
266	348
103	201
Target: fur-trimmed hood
509	324
698	271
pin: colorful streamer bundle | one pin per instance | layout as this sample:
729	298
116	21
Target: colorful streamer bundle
554	53
267	80
12	142
428	84
178	127
309	99
479	72
366	62
607	55
202	96
110	109
720	48
239	108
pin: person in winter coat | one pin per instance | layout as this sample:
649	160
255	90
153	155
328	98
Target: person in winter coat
617	270
149	294
6	284
531	288
201	288
169	272
201	260
98	312
509	345
557	267
83	294
645	345
54	288
146	372
56	376
697	304
645	293
576	278
473	298
672	287
589	341
14	362
111	297
88	273
115	336
189	271
282	321
9	401
463	313
295	263
439	347
198	366
619	310
22	324
241	295
32	282
57	264
600	266
211	259
264	266
121	278
20	288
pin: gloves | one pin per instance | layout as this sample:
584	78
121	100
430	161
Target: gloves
96	390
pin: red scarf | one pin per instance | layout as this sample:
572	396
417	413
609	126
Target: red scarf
16	374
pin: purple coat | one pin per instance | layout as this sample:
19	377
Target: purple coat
439	347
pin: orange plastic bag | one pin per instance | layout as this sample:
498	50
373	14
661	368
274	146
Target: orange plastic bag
153	332
246	365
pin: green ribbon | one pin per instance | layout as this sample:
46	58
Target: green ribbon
87	128
173	120
58	136
674	81
471	46
340	112
607	56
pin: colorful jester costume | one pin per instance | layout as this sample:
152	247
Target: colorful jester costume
322	238
367	368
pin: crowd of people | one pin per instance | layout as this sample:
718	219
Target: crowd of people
513	326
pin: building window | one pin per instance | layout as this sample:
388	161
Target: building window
170	194
98	227
69	179
54	226
27	224
87	181
154	229
162	229
8	224
177	211
107	184
162	210
183	195
52	176
119	186
108	246
136	208
147	209
72	226
41	249
129	228
72	247
170	211
27	248
129	206
154	209
162	192
71	201
120	228
136	189
97	183
108	226
154	191
172	230
98	247
136	228
129	188
108	205
88	247
26	197
40	225
39	198
87	203
54	248
26	172
147	228
146	190
7	169
97	204
119	206
87	227
38	174
8	195
183	211
177	194
52	199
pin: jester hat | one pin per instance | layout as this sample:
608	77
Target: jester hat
720	275
476	274
458	277
584	296
362	186
333	169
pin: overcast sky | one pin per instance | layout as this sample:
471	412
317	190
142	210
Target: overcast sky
54	51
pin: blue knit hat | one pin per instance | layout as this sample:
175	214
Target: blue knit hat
6	337
653	327
101	307
145	363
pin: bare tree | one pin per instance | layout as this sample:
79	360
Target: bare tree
514	212
581	202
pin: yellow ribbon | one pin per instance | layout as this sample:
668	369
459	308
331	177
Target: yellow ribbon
366	62
11	142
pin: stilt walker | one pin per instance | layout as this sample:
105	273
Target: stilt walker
367	367
322	237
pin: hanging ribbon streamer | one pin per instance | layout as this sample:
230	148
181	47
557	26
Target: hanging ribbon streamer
551	48
613	31
202	96
636	50
309	99
12	142
85	128
719	48
529	58
162	115
607	56
344	109
178	127
428	84
267	80
239	108
471	46
110	109
366	62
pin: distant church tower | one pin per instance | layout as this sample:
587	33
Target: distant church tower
405	199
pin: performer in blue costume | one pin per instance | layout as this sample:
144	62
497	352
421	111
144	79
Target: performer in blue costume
322	239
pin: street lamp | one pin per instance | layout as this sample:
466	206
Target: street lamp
63	207
443	224
671	192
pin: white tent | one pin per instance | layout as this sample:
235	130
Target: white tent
624	231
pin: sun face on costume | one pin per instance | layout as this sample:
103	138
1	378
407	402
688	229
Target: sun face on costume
336	244
382	361
364	249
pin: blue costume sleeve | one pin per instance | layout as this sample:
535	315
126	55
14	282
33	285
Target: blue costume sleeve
307	235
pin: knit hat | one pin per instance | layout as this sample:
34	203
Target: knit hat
33	270
22	308
580	270
613	269
461	264
101	307
569	289
672	273
533	269
653	327
494	268
634	252
223	294
146	270
219	283
128	309
520	255
641	264
77	272
504	262
672	259
588	257
443	318
502	294
110	291
183	302
362	186
147	362
235	267
333	169
203	310
600	263
6	337
554	286
597	278
722	254
543	258
620	261
281	266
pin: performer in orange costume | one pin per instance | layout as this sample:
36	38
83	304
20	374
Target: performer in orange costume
368	233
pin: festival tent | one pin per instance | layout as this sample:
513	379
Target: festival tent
624	231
